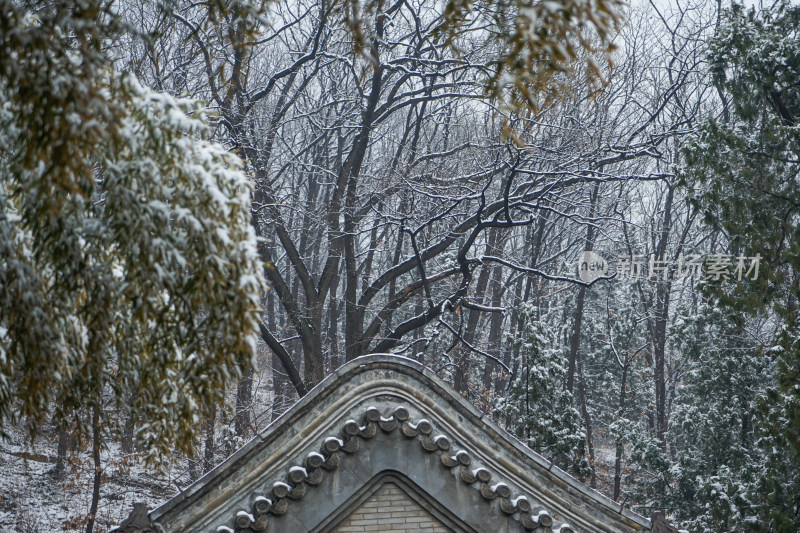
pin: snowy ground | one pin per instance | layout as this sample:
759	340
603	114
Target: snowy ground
32	501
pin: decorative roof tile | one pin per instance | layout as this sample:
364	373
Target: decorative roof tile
293	485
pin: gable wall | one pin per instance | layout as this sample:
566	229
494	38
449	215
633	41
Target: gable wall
461	437
390	510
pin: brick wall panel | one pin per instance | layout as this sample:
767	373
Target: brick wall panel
390	510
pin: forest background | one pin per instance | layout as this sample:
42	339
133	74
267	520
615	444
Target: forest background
205	208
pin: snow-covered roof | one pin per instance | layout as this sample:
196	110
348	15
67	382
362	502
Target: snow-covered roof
381	416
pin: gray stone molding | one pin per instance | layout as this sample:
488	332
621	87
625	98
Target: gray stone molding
293	485
292	464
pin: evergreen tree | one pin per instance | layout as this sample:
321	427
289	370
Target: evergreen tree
712	424
621	381
538	409
743	170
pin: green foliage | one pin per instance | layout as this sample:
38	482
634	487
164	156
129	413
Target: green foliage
778	489
129	279
744	174
713	421
743	170
755	57
647	474
538	409
617	351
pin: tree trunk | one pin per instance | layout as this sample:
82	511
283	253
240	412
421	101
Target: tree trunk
619	450
660	329
334	312
279	381
127	436
461	374
354	313
575	340
587	421
192	467
419	352
61	453
279	386
495	328
208	449
98	471
659	353
244	399
511	351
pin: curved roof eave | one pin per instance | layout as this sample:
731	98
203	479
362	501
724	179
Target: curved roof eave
515	460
